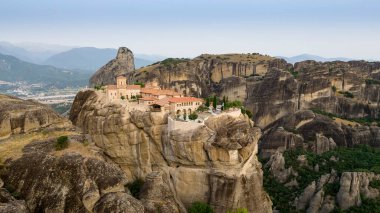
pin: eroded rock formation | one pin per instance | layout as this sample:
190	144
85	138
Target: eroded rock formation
51	181
214	162
122	64
23	116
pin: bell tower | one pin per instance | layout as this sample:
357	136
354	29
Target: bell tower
121	81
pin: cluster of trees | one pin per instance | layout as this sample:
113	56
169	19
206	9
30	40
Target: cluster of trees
361	158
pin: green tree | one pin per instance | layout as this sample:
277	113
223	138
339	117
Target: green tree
214	102
122	97
199	207
207	102
184	116
193	116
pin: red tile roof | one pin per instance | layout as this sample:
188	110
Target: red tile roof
184	99
160	92
148	99
162	102
111	87
133	87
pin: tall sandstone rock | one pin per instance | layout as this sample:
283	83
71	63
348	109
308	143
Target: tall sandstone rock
214	162
122	64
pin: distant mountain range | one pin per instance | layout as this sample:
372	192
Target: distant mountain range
305	57
13	69
82	59
88	59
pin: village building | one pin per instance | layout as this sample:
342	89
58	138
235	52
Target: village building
151	98
122	90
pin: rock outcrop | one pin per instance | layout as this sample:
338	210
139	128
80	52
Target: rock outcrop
23	116
318	133
314	199
276	165
9	204
272	88
214	162
122	64
51	181
157	193
225	75
354	185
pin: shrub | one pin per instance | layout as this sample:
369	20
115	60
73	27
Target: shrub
232	104
249	113
122	97
135	187
294	73
97	87
199	207
62	143
139	83
172	62
202	109
193	116
346	94
375	184
239	210
371	81
333	88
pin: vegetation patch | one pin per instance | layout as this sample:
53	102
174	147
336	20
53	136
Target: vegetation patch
135	187
364	121
62	143
375	184
139	83
172	62
239	210
295	74
346	94
372	82
193	116
199	207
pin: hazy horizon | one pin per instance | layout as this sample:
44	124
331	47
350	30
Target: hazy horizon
181	28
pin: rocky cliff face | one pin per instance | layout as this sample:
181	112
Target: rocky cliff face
23	116
318	133
207	74
270	87
215	162
122	64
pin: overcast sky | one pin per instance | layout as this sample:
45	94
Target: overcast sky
329	28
